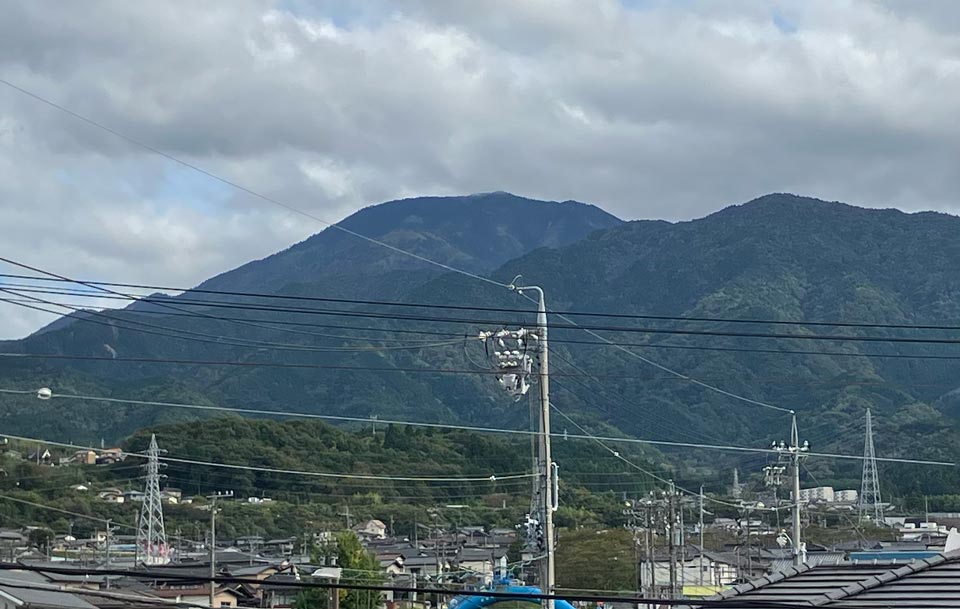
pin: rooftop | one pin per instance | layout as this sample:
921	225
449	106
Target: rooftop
923	584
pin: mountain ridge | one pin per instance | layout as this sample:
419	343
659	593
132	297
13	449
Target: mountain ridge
778	257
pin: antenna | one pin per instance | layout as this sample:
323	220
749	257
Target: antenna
870	504
151	537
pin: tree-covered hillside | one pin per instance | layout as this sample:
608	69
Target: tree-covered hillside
323	468
780	257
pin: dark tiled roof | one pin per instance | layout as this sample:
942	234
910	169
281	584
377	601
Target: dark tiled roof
13	584
923	584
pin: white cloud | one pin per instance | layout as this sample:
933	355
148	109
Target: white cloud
650	109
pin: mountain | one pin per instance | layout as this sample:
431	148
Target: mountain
780	257
477	233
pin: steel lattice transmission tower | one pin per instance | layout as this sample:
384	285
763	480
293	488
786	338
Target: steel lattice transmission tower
870	504
152	546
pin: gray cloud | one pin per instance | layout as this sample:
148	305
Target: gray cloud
648	108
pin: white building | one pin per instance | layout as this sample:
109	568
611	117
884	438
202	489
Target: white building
848	496
371	529
819	494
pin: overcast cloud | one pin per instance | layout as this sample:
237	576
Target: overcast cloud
651	109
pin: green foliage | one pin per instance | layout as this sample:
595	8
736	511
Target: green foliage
359	567
40	538
780	257
592	559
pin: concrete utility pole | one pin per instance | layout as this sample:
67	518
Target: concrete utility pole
106	552
794	453
213	543
700	529
515	369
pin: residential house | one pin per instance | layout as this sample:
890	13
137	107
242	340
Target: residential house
700	573
280	547
41	595
371	529
84	457
483	562
927	582
112	495
133	496
198	595
110	456
171	495
41	456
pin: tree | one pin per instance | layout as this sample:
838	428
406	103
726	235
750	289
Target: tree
359	567
40	538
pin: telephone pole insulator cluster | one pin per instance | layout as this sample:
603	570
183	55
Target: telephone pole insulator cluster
792	454
658	515
514	364
510	357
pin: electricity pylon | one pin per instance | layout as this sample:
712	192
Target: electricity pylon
870	504
152	546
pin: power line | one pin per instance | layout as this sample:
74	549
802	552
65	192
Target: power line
570	325
207	173
422	370
242	188
478	429
199	336
673	318
609	343
295	472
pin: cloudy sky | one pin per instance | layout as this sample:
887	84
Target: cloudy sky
651	109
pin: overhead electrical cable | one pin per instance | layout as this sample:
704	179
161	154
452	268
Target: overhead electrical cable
613	315
243	188
448	426
450	334
570	325
218	338
293	472
209	174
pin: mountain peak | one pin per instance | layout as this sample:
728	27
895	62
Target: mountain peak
477	233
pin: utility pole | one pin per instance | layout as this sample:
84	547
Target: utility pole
700	529
348	516
515	368
794	453
671	530
213	543
106	552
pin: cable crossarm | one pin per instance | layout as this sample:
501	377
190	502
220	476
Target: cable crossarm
169	577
